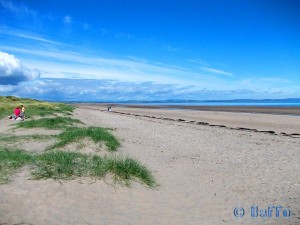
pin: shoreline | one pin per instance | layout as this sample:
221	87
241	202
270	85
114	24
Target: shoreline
282	124
284	110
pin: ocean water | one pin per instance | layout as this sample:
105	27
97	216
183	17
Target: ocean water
258	104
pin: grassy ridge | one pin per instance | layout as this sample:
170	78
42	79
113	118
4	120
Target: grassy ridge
33	107
69	165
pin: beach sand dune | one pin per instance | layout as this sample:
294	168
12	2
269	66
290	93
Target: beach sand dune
204	173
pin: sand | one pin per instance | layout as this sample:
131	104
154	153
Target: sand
285	110
204	172
272	123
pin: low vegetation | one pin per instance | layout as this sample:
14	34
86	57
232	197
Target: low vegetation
33	107
11	161
59	164
97	134
69	165
49	123
12	140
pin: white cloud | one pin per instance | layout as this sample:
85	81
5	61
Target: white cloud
67	20
7	88
199	61
59	64
212	70
37	38
64	64
17	8
71	65
122	35
26	35
12	71
113	90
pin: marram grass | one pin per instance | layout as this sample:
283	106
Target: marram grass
70	165
49	123
96	134
11	161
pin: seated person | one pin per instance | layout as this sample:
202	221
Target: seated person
22	113
16	114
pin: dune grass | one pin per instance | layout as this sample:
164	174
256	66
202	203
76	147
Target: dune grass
69	165
7	138
33	107
12	139
65	165
49	123
96	134
11	161
45	109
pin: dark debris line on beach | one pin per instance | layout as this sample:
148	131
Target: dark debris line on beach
293	135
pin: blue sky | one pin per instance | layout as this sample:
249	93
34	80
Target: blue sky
114	50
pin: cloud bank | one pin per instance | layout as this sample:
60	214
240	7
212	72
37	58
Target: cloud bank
13	72
104	90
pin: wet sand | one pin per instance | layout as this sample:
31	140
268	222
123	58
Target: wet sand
247	109
284	123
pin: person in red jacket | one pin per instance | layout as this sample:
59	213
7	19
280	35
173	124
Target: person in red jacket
17	112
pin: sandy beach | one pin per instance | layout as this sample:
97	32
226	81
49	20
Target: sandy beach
283	110
207	163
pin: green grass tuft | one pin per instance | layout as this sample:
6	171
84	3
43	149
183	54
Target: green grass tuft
97	134
61	165
69	165
49	123
126	169
10	161
8	138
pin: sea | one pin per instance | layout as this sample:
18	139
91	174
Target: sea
257	103
261	104
293	102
